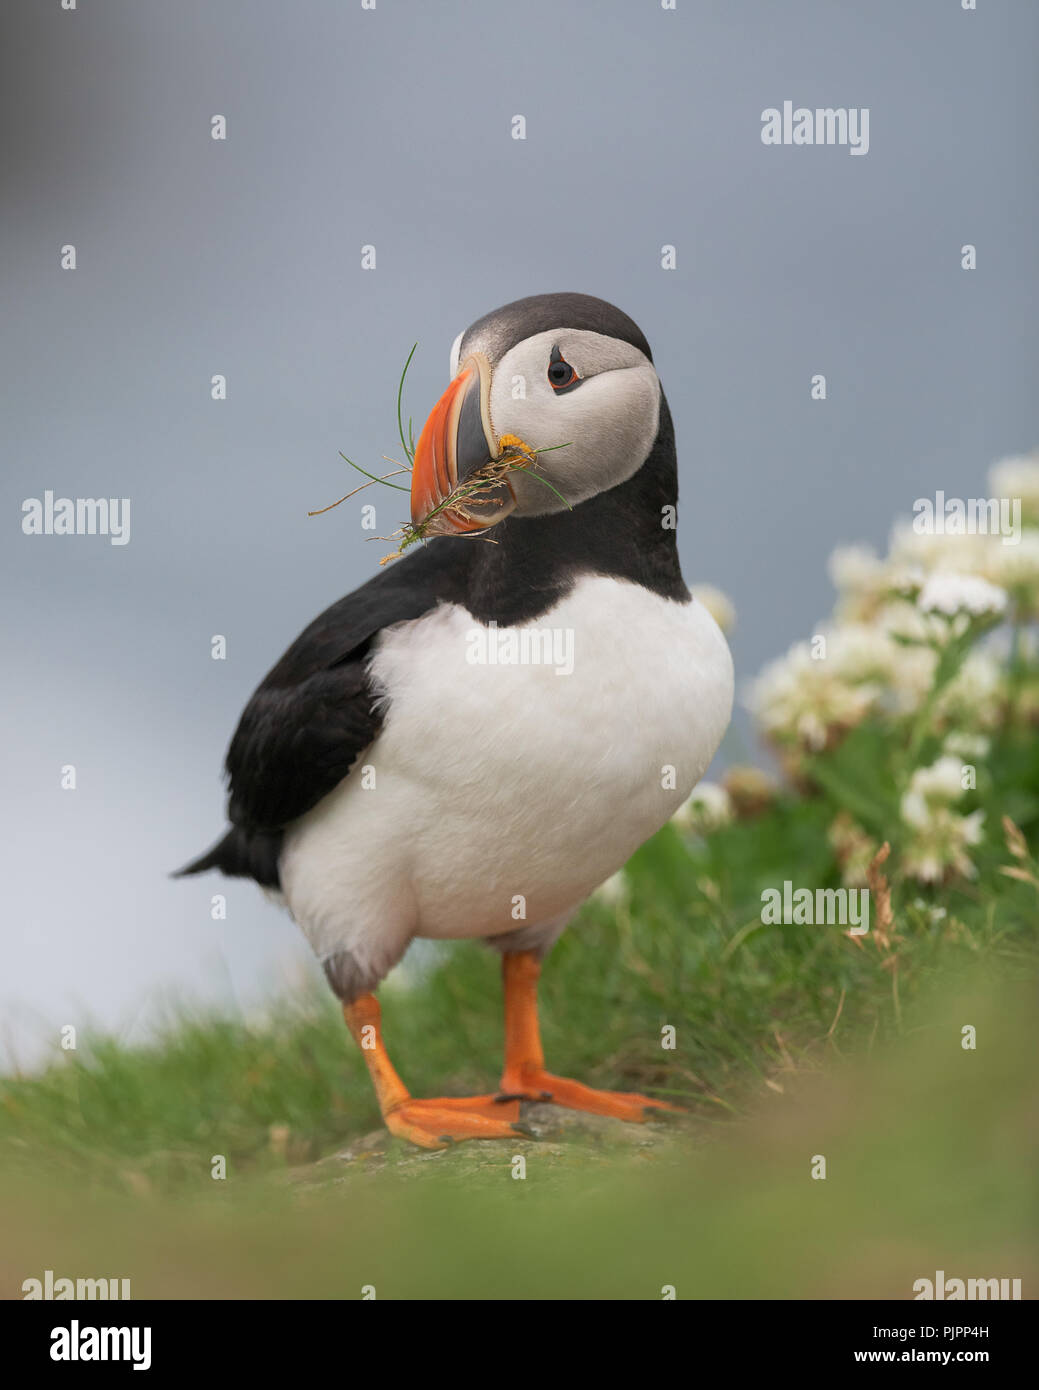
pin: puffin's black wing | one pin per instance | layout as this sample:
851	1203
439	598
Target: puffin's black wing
313	714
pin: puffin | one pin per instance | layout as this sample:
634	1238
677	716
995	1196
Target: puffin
483	733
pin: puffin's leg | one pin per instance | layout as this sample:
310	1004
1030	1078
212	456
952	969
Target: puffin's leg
434	1124
525	1075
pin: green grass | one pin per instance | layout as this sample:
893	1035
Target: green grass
791	1043
751	1005
930	1155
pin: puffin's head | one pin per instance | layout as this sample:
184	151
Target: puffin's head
554	369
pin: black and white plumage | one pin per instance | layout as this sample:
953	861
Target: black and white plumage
494	784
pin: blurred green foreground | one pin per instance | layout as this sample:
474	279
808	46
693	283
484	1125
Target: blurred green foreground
791	1043
930	1154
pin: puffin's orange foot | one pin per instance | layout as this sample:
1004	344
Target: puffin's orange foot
444	1120
542	1085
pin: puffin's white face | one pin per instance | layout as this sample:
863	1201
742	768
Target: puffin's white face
597	395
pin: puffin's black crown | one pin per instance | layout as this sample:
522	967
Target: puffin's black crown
503	328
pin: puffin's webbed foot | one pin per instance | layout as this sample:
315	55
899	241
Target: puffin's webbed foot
525	1076
441	1121
435	1123
537	1084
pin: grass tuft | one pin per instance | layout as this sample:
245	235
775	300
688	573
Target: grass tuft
477	490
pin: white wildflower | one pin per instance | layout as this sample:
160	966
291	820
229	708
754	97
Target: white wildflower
901	675
952	592
931	787
854	568
933	912
615	892
969	747
938	849
803	699
912	553
902	618
1015	568
718	604
860	653
906	580
971	699
861	580
709	808
1018	477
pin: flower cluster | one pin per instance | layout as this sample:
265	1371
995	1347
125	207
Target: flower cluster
939	837
929	653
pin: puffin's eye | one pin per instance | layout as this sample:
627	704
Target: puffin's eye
561	376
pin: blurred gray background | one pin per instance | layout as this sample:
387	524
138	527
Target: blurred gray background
392	127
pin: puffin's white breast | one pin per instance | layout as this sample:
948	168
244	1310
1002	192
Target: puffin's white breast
517	769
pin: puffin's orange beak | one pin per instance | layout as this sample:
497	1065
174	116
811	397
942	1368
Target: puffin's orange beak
456	441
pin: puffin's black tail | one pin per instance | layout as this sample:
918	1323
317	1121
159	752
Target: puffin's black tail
241	854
